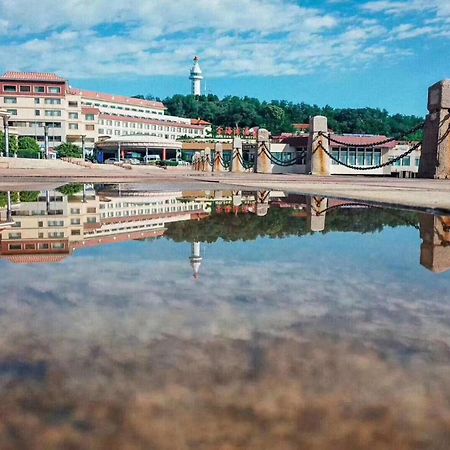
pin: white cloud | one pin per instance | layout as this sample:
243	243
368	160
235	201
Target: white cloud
103	38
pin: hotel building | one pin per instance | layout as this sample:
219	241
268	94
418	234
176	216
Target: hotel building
36	100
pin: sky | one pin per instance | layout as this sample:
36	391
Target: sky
344	53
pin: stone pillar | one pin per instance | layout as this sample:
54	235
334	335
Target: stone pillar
263	164
218	158
164	154
316	212
435	158
207	160
435	247
318	162
236	155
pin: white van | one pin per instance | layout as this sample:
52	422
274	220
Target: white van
149	159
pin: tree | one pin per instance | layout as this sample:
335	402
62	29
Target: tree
70	189
28	148
68	150
12	144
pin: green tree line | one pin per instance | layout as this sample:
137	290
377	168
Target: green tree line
279	115
279	223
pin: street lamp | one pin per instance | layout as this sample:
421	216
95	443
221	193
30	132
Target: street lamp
46	141
5	115
83	149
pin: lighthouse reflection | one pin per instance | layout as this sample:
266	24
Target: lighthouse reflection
49	226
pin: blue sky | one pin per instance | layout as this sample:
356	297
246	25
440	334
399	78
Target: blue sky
382	53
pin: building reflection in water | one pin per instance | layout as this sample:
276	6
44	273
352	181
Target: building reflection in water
48	226
435	248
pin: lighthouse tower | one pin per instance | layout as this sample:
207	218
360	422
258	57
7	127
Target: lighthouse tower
196	78
196	259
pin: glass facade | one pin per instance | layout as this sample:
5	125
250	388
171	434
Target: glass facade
357	156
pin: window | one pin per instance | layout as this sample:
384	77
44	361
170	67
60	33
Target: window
352	157
9	88
91	220
73	104
13	112
368	157
360	156
417	161
58	245
25	88
10	100
377	156
91	210
52	101
37	112
52	112
56	223
30	246
90	127
54	90
73	126
89	116
74	210
43	246
37	101
406	161
16	224
75	232
101	131
15	235
39	89
73	115
15	247
75	221
56	234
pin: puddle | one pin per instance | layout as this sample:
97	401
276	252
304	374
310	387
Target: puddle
221	319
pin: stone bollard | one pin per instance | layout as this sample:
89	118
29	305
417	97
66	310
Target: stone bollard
237	155
316	210
435	157
218	158
318	162
263	164
207	160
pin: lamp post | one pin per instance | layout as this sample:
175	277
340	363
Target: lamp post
83	149
5	115
46	141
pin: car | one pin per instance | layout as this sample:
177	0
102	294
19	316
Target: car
111	161
151	159
132	161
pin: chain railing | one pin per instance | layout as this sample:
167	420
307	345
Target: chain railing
376	166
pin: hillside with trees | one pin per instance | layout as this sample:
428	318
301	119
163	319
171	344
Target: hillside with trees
279	115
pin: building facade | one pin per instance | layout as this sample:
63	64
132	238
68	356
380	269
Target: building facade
41	101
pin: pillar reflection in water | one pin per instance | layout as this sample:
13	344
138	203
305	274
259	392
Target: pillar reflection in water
316	210
262	203
435	248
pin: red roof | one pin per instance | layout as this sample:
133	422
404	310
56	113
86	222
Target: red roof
32	76
150	121
363	140
199	122
352	139
87	110
116	99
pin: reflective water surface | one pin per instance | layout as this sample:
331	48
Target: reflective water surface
132	319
